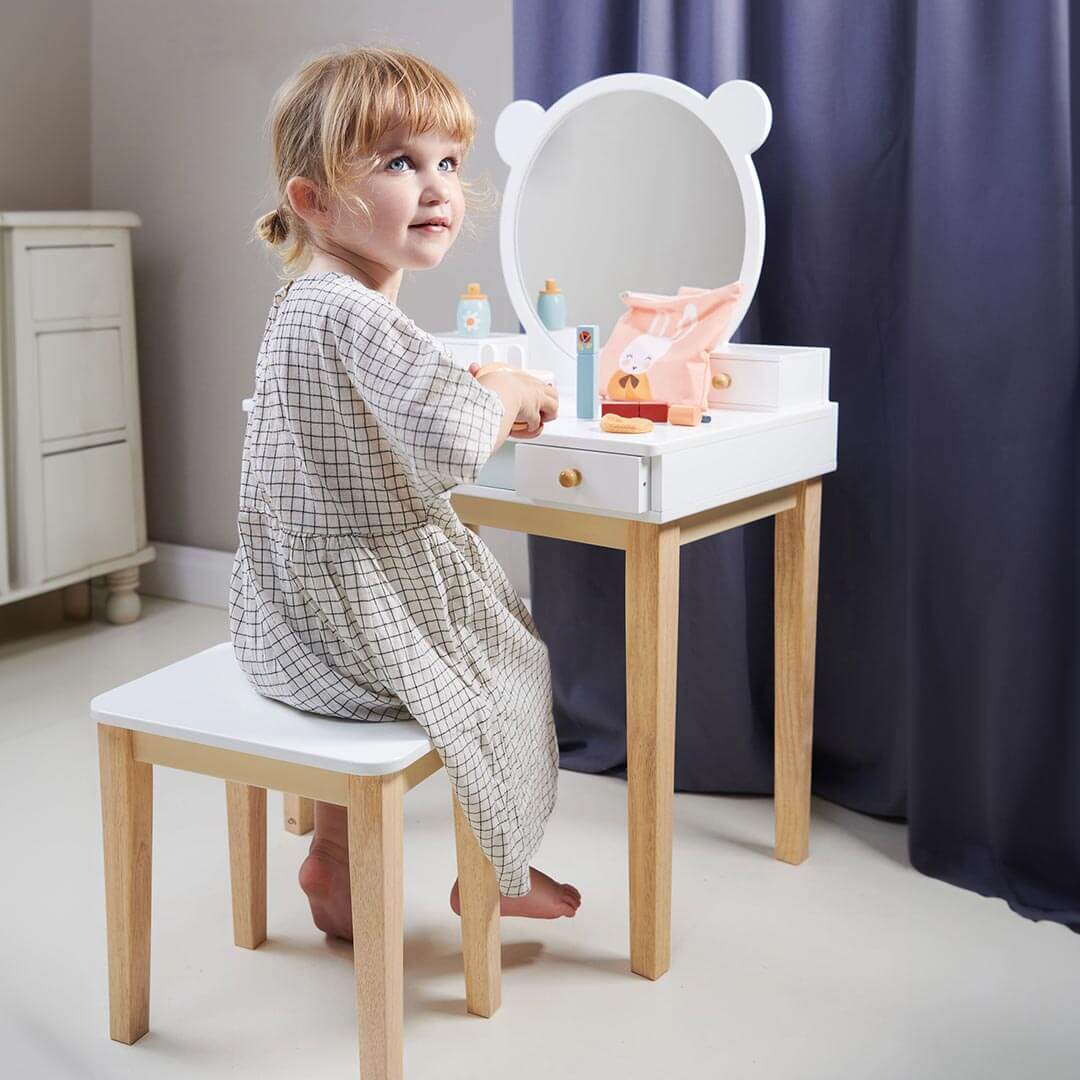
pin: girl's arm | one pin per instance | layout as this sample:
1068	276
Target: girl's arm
509	392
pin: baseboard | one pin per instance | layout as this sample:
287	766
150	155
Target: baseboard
196	575
193	574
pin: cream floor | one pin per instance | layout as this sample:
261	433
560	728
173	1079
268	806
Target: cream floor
852	965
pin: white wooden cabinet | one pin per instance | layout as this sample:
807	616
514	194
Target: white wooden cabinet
71	474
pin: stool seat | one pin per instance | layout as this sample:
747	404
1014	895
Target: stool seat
207	699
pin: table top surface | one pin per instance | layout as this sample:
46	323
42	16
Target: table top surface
723	424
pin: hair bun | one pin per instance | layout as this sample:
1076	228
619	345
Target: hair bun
272	227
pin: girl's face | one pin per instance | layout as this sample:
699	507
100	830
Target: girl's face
415	199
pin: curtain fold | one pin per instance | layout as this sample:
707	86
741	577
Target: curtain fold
920	185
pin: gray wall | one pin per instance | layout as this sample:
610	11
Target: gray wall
180	96
44	104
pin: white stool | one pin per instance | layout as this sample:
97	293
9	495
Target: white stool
201	715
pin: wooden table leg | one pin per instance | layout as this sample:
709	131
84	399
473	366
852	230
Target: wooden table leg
299	814
478	893
127	806
796	587
246	811
652	625
376	873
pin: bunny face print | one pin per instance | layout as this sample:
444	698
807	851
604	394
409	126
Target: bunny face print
659	349
631	381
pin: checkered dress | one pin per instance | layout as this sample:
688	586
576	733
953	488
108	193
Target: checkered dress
356	590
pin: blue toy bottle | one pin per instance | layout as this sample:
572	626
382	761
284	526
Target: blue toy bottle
586	372
551	306
473	313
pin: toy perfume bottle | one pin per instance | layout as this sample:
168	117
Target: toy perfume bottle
473	313
586	372
551	306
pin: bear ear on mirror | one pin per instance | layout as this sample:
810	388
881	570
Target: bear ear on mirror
742	115
517	129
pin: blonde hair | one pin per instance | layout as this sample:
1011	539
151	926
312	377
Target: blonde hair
327	119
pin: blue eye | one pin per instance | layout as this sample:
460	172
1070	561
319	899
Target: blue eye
454	163
391	164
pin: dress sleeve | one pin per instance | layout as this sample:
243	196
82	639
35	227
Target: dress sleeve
431	408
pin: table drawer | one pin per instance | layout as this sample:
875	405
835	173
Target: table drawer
80	383
602	481
78	282
89	502
752	382
770	377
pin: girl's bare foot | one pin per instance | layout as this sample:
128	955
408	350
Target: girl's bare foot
324	877
547	899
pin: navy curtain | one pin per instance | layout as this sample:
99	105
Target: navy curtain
920	187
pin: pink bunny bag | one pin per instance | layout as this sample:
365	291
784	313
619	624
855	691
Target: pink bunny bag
659	348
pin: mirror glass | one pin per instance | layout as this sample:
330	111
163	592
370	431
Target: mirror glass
630	191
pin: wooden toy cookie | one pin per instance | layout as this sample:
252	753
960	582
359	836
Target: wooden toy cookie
625	425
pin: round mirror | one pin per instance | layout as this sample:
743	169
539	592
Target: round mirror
630	190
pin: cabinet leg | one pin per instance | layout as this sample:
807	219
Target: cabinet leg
122	605
796	587
76	601
652	625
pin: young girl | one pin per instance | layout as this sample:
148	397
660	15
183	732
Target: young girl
356	590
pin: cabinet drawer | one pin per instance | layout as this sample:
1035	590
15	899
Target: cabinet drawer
607	481
74	282
753	382
80	383
89	505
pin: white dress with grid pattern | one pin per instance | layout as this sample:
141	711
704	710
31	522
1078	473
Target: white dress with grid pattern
356	590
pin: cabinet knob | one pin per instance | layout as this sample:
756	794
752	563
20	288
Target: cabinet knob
570	478
721	381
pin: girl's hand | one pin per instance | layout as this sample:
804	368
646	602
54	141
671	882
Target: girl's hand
531	401
539	403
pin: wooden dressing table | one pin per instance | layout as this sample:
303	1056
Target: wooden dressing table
635	181
762	465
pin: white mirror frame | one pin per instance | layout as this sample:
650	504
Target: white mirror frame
737	112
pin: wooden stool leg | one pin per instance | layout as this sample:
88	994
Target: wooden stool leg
652	625
127	804
375	870
478	892
796	586
246	806
299	814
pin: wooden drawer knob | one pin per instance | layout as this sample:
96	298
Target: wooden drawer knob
570	478
721	381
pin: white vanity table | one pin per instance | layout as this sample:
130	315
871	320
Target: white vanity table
689	212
